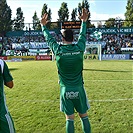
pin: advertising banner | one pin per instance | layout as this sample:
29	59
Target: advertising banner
131	56
3	57
21	57
91	57
122	30
30	33
115	57
43	57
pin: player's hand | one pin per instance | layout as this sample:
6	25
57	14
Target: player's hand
44	19
84	15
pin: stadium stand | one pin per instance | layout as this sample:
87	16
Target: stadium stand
111	43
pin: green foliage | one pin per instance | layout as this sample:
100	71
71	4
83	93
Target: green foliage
36	22
34	100
129	14
48	11
110	23
5	17
19	20
63	12
44	9
74	14
85	4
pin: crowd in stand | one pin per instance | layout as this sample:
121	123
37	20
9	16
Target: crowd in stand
111	43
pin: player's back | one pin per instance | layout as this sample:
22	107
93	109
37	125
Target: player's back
69	60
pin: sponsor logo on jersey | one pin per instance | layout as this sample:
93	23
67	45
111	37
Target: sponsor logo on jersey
72	53
72	95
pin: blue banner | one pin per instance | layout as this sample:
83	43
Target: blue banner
115	57
122	30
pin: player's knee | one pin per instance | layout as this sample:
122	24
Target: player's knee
83	115
71	117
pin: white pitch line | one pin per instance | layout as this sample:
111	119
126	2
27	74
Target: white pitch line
112	100
100	80
106	100
109	80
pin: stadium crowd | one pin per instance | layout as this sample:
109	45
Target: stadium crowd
111	43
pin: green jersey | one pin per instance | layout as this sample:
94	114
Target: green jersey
6	122
5	76
69	58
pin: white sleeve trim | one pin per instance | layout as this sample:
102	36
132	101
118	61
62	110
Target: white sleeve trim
2	65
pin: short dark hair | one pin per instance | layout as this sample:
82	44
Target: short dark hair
67	34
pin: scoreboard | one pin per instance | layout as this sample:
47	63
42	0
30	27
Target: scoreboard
71	25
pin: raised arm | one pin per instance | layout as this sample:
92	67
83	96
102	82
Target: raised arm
84	15
82	35
44	19
50	40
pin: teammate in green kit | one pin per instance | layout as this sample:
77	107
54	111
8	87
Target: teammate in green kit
6	122
69	60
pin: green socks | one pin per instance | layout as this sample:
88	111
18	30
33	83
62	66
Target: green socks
86	125
70	126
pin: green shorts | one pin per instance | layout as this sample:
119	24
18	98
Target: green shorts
6	122
73	99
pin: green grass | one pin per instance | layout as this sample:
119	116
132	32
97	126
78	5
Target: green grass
34	100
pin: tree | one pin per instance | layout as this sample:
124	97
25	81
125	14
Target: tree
63	12
110	23
86	5
79	8
74	14
129	14
5	18
36	22
44	9
48	11
19	20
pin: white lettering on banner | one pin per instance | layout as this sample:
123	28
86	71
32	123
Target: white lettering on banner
122	56
115	57
8	52
43	57
110	30
107	30
72	95
32	33
127	30
127	49
121	30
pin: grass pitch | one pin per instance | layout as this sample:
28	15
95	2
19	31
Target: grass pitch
34	100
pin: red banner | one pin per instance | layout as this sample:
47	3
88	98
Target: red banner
43	57
3	57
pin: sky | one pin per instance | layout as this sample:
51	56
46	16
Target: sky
99	9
